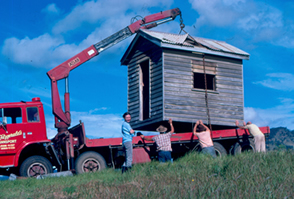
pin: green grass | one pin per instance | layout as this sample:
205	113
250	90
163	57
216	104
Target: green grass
247	175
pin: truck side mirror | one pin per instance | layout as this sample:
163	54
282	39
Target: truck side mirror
4	121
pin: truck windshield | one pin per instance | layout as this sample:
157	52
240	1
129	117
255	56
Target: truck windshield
13	115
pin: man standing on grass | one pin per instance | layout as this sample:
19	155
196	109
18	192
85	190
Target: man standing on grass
203	133
163	142
127	141
259	138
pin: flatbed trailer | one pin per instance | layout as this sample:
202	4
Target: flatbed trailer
228	141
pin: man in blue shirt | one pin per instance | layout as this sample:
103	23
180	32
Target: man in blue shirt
127	138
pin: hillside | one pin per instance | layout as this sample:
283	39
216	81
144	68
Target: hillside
280	138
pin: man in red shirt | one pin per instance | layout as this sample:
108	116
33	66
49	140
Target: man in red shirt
163	142
203	133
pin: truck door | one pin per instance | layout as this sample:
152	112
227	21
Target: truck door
11	130
36	129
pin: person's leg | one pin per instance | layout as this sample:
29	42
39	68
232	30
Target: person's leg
128	149
124	150
124	167
209	151
168	156
129	154
204	150
161	156
262	144
257	143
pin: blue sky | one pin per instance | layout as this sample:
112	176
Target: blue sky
36	36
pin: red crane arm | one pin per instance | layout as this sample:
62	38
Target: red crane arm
62	118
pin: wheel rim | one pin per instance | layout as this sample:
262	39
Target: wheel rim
217	152
37	169
247	148
91	165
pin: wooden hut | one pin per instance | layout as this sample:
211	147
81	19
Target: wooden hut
184	78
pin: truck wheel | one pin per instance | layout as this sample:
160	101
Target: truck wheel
244	146
219	149
34	166
90	162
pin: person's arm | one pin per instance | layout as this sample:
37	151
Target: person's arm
241	127
128	128
206	127
172	130
143	138
195	127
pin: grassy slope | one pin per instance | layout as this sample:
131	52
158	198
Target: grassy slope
247	175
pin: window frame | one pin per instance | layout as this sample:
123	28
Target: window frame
27	114
210	71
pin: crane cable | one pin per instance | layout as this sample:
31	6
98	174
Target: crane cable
206	96
182	26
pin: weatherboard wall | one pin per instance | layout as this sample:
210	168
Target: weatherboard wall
145	51
183	103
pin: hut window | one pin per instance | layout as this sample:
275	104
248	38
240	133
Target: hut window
198	74
144	90
199	82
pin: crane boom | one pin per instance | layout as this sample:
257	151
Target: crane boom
62	118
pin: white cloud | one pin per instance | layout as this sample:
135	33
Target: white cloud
99	125
93	11
258	20
96	125
51	9
266	17
286	39
51	132
36	52
216	12
279	116
248	15
48	50
279	81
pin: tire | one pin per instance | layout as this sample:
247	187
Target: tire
219	149
197	148
240	147
90	162
35	166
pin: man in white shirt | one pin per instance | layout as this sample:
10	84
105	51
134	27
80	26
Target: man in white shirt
259	138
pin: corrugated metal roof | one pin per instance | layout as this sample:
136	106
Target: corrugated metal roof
168	38
209	44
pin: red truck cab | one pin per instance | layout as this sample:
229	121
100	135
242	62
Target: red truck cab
21	124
